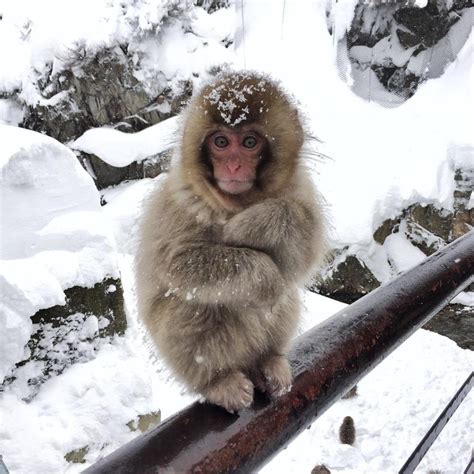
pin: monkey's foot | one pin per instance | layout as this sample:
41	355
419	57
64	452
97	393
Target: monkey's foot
277	375
233	392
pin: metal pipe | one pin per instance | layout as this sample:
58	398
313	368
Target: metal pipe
470	466
326	361
430	437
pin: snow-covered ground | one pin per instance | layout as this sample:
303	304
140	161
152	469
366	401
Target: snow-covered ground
91	403
52	232
381	161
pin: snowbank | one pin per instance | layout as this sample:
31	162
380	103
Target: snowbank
120	149
53	233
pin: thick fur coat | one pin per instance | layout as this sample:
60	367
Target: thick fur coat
217	274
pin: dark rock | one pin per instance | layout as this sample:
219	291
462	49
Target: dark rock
77	456
463	222
437	221
213	5
456	322
417	234
460	4
103	299
387	228
351	393
422	238
367	28
100	90
145	422
411	26
428	24
106	175
463	219
403	83
396	79
407	39
348	281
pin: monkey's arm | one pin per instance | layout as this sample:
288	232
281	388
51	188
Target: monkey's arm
216	273
289	230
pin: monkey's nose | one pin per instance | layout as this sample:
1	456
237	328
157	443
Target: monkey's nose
233	166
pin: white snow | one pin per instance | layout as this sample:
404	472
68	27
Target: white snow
124	204
42	34
396	405
465	298
10	112
402	254
120	149
53	233
371	147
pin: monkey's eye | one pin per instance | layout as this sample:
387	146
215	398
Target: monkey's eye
250	142
220	141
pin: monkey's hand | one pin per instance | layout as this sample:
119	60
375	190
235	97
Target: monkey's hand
285	229
216	273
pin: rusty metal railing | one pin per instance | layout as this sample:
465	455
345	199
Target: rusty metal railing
326	361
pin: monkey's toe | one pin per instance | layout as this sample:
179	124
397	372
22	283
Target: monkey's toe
277	373
233	392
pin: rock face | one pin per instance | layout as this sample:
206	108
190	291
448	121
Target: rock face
61	291
400	44
73	332
455	321
104	90
425	228
347	278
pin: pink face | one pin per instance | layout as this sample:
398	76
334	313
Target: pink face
234	156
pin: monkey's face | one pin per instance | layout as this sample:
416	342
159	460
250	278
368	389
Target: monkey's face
234	156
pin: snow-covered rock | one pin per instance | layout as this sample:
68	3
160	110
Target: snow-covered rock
53	232
131	64
112	156
120	149
393	47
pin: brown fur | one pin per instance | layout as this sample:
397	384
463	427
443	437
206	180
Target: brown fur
217	274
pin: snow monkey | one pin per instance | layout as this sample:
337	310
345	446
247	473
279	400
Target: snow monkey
227	238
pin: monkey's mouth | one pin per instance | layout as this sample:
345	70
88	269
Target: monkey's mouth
235	186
